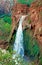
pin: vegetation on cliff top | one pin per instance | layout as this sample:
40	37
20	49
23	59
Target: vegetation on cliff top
28	2
5	27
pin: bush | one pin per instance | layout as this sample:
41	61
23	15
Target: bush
30	45
5	29
6	59
7	19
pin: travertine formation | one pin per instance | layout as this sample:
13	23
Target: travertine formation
36	18
34	13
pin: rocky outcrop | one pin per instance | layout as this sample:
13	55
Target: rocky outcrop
20	9
15	22
5	7
3	44
35	16
17	11
36	21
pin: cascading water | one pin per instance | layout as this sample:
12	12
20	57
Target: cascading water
18	45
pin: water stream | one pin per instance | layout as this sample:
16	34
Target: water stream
18	44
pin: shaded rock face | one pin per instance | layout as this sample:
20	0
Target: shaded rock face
1	7
3	44
36	18
4	7
7	7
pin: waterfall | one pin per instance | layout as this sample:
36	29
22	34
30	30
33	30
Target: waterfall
18	45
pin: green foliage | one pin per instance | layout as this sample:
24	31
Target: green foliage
30	45
7	19
10	49
40	60
6	59
29	21
25	1
5	29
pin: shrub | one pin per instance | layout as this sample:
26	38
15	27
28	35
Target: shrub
7	19
30	45
6	59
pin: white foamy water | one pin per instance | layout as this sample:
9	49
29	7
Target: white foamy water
18	44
